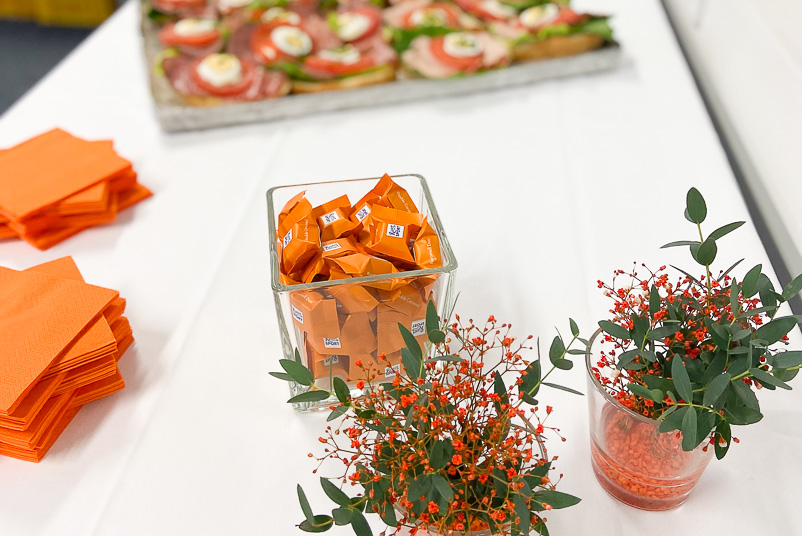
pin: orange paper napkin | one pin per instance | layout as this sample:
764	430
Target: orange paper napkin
60	340
56	185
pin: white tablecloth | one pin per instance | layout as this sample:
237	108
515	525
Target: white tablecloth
542	189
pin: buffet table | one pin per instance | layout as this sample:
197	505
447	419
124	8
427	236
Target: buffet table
542	189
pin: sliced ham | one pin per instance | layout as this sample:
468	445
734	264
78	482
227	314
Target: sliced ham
508	30
495	52
201	51
303	7
420	59
239	43
396	14
265	84
198	10
321	33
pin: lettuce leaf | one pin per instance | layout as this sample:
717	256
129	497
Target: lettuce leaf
402	38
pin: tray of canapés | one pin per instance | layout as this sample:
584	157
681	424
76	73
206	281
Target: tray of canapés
220	62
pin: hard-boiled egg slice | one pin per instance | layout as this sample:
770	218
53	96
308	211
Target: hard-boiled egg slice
291	40
347	55
496	8
539	15
280	14
429	16
220	69
191	27
462	45
351	26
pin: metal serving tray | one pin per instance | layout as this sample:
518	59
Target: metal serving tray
175	115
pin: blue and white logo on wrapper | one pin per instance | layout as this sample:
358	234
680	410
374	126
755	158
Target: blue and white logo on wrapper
418	327
297	315
396	231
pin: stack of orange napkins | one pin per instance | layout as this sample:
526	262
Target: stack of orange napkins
56	185
60	340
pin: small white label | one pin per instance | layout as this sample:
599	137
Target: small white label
287	238
332	343
332	247
363	213
331	217
418	327
297	314
396	231
392	372
333	360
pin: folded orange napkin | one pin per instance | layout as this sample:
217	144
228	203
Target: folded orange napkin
44	383
55	185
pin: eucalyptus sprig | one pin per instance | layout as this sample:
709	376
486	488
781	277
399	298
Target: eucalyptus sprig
448	444
691	354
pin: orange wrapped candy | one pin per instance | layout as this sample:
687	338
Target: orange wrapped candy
338	248
291	204
391	231
426	248
394	196
353	298
332	218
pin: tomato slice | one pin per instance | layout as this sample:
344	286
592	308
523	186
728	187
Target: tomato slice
373	26
228	90
337	68
261	39
568	16
466	63
451	18
169	38
476	8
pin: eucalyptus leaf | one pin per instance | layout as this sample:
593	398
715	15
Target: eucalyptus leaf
716	388
341	390
297	371
787	359
310	396
681	380
680	243
360	524
562	388
706	253
411	342
307	510
793	288
574	327
320	523
614	330
749	284
722	432
695	206
768	379
689	430
725	229
334	493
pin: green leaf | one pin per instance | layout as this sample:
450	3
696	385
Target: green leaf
337	412
436	336
674	420
411	342
556	499
307	510
749	284
681	380
419	487
442	486
787	359
666	413
522	512
626	358
441	454
662	332
695	207
342	516
742	415
689	430
574	327
360	524
641	391
334	493
793	288
725	229
310	396
735	291
654	301
706	253
614	330
341	390
776	329
716	388
680	243
432	320
730	269
320	523
562	388
722	432
282	376
297	371
412	365
706	421
768	379
556	350
387	513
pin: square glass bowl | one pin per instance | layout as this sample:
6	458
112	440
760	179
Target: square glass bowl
333	324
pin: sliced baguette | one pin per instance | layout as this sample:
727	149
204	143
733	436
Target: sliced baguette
557	47
385	73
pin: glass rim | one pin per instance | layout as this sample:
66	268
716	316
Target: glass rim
600	388
450	264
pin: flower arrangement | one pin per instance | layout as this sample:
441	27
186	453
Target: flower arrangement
448	445
691	352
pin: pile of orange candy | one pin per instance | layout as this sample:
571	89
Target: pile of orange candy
348	324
